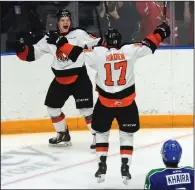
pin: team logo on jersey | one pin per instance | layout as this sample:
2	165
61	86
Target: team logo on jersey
61	56
117	103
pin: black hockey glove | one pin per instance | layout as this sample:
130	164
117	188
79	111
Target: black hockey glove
20	45
52	37
163	30
61	42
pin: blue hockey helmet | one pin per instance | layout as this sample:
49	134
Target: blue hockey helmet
171	152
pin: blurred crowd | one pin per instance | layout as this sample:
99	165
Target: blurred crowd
134	20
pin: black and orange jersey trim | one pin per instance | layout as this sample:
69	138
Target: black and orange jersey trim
119	99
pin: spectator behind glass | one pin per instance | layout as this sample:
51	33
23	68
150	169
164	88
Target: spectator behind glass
124	17
88	17
152	12
86	14
24	20
191	30
185	21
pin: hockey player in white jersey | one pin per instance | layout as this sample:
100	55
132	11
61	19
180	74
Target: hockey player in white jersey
70	79
115	84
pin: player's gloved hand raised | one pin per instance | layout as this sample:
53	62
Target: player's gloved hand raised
61	42
20	45
52	37
163	30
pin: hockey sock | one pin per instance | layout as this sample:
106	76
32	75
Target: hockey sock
87	114
126	146
102	145
59	123
88	121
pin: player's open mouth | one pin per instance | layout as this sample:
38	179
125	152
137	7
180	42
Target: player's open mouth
65	27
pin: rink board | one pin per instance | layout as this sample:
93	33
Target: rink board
164	92
78	124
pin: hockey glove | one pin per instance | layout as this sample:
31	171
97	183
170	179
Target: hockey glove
61	42
52	37
163	30
20	45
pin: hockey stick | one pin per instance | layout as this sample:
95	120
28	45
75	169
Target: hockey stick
98	22
107	15
164	11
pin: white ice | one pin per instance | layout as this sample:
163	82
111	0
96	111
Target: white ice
46	167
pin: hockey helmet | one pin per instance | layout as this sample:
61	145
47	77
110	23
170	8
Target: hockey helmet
171	152
112	38
63	13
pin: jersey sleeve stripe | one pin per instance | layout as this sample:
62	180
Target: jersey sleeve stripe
23	55
155	38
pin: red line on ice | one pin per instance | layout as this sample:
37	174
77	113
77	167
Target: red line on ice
90	161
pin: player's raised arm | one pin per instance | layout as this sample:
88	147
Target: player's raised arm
152	42
30	52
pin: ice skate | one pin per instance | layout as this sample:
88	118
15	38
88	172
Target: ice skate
101	172
62	139
126	176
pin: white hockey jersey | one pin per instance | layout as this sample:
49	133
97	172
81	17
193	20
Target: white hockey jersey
75	37
115	67
115	72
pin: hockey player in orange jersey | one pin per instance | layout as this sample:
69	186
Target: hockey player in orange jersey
115	83
70	79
